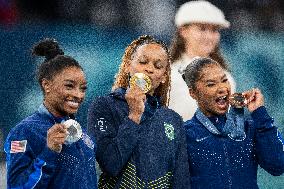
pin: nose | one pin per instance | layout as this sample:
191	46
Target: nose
223	89
79	94
149	69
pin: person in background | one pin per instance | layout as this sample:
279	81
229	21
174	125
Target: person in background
224	147
141	143
38	155
198	35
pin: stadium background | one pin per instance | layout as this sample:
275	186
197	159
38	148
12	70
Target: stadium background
96	32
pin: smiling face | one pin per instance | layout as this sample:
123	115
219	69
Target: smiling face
212	90
65	91
152	60
200	39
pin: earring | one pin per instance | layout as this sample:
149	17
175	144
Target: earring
163	81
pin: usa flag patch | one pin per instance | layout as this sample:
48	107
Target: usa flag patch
18	146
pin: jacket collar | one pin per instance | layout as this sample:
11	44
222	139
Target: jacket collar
43	111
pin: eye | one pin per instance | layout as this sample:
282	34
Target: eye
210	84
143	62
225	80
69	86
158	65
83	88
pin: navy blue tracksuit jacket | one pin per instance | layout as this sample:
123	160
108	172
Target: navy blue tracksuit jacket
33	165
220	162
149	155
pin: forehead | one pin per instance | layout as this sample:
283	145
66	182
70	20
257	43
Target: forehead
211	72
152	49
205	25
70	73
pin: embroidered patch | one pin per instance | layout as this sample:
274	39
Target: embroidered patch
101	124
18	146
88	141
170	131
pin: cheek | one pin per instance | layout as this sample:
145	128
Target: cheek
161	75
206	96
195	39
135	67
60	93
216	38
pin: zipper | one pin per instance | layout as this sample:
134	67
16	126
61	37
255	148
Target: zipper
227	161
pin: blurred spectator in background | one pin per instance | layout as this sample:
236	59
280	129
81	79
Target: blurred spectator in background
8	12
244	15
197	35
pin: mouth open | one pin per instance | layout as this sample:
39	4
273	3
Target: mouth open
222	101
73	104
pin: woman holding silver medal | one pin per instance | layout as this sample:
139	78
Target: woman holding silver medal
141	143
224	148
49	149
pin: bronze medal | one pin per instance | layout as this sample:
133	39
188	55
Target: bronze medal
238	100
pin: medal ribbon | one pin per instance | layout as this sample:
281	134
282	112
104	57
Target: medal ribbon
234	126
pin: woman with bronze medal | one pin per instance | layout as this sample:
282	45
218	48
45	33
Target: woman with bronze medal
224	148
49	149
198	25
141	143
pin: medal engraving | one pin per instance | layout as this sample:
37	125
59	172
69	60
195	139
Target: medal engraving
74	131
238	100
141	80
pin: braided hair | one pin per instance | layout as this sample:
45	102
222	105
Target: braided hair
122	77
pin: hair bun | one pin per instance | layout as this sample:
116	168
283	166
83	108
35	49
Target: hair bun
48	48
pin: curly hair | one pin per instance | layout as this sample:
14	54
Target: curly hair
122	77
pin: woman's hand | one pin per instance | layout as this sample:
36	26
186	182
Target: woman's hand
135	98
56	136
254	99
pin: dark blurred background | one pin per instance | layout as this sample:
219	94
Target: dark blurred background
96	32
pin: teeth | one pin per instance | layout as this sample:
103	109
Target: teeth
222	97
72	103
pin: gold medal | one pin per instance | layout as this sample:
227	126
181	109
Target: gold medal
141	80
74	131
238	100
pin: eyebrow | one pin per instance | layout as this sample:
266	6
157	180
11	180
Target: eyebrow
68	80
211	80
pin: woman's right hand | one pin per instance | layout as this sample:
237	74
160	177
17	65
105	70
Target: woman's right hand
135	98
56	136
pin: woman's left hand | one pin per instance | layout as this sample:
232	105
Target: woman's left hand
254	99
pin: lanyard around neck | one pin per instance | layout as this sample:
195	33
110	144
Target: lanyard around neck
234	126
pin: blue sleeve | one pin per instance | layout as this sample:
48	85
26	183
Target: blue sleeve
181	175
26	169
269	143
115	138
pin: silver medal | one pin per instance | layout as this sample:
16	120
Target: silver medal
74	131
